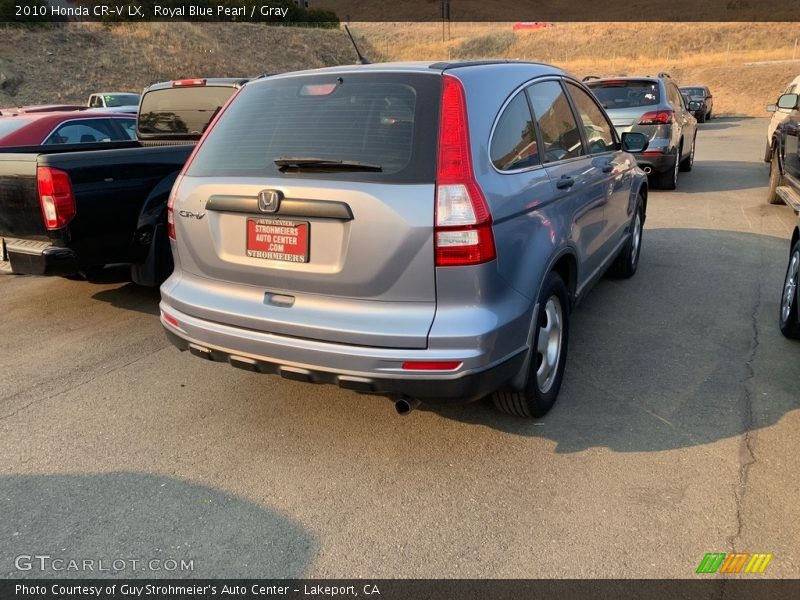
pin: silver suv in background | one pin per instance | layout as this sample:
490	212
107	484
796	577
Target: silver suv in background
655	107
416	230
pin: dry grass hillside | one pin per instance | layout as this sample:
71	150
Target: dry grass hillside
69	63
746	65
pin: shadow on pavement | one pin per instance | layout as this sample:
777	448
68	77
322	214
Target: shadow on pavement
144	517
722	176
718	124
666	359
132	297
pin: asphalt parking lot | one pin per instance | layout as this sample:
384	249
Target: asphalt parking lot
675	434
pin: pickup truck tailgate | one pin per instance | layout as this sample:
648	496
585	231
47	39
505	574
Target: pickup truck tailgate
20	212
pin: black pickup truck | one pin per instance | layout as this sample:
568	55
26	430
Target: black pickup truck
74	208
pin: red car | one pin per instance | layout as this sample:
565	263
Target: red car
523	25
33	129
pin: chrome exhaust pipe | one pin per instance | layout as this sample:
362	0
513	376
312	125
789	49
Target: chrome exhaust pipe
647	170
403	406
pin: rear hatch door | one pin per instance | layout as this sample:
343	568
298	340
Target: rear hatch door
626	100
311	203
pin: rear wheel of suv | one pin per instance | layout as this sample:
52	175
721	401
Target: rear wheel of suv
688	162
788	317
775	179
668	180
548	355
627	262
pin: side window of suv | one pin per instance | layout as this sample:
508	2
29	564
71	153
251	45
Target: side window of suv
514	139
560	134
599	132
675	95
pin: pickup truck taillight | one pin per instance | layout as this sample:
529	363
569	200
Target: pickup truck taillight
55	197
463	232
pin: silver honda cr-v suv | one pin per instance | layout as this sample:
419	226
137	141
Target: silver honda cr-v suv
415	230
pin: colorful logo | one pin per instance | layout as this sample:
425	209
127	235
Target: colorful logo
719	562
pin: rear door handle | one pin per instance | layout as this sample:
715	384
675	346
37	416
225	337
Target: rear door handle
565	182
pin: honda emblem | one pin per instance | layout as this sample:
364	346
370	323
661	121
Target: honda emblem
269	201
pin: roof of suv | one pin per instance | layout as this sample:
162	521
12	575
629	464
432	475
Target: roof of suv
626	78
424	67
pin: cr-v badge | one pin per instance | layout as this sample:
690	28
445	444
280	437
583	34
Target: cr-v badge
269	201
191	215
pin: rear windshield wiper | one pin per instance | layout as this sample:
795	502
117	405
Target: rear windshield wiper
305	163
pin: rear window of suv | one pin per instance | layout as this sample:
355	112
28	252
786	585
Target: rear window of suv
625	93
378	119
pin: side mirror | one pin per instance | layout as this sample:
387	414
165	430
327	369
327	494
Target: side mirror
788	101
771	108
709	97
695	105
634	142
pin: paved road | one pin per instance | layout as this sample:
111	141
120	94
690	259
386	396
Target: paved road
676	432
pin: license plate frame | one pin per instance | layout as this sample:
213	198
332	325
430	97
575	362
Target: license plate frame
282	240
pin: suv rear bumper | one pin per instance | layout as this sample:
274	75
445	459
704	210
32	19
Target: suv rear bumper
359	368
29	257
659	163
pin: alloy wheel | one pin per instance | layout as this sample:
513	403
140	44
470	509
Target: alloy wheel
548	350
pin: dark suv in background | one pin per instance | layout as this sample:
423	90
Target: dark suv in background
702	95
655	107
417	230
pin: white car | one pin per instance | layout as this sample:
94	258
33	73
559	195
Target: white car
778	115
113	100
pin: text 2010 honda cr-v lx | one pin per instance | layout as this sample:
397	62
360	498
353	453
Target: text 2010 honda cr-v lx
415	230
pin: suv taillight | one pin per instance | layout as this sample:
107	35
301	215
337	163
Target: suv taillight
55	197
463	232
173	194
170	205
657	117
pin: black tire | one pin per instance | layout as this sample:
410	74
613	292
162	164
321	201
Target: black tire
625	265
767	152
775	179
788	315
708	116
688	162
702	118
536	399
668	180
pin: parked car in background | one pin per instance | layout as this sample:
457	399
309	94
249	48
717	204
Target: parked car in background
128	110
779	114
784	171
72	208
789	319
652	106
334	228
113	99
54	128
531	25
702	95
